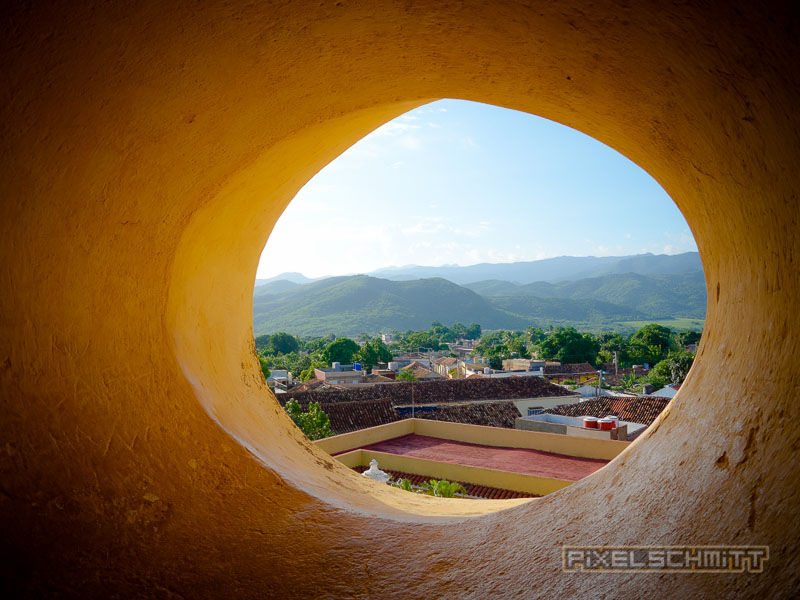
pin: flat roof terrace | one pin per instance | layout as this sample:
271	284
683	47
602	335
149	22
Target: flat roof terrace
516	460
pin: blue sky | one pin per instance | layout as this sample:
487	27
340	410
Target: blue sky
456	182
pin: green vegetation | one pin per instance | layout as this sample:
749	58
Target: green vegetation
341	350
442	488
570	346
660	347
405	375
403	484
314	422
437	337
352	305
676	323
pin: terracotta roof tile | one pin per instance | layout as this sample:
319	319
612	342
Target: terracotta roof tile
639	409
438	391
477	491
569	369
491	414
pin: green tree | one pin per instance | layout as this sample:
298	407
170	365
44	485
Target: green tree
264	367
674	368
569	346
372	353
314	422
405	375
641	353
654	335
421	339
308	372
282	343
686	337
473	332
341	350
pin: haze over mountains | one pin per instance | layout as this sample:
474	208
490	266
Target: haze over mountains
588	292
561	268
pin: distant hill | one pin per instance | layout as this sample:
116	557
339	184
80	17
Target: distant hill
354	304
562	268
274	287
292	277
656	296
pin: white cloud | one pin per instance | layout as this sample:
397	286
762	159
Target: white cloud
410	142
398	164
392	128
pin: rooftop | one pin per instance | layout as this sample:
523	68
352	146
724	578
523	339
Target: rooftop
477	491
568	369
515	460
439	391
639	409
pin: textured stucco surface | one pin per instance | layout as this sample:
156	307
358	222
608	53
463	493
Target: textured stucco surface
148	148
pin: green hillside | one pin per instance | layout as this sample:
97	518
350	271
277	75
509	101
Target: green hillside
654	296
352	305
355	304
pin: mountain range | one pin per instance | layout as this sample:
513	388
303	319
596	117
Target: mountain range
553	270
670	287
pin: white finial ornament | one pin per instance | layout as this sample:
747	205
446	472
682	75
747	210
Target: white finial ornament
375	473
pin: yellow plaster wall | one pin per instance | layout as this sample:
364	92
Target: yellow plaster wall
587	447
532	484
148	148
518	438
365	437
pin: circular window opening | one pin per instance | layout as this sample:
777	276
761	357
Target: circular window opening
466	281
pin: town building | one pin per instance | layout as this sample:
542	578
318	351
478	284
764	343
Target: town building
642	410
504	460
421	373
472	366
444	365
523	364
668	391
491	402
577	372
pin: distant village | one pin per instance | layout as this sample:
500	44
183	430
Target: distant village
530	398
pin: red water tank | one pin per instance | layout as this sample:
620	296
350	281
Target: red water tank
590	422
605	424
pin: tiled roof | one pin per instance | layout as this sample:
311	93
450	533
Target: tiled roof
477	491
491	414
640	409
306	386
446	361
569	369
414	365
352	416
423	373
374	378
438	391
